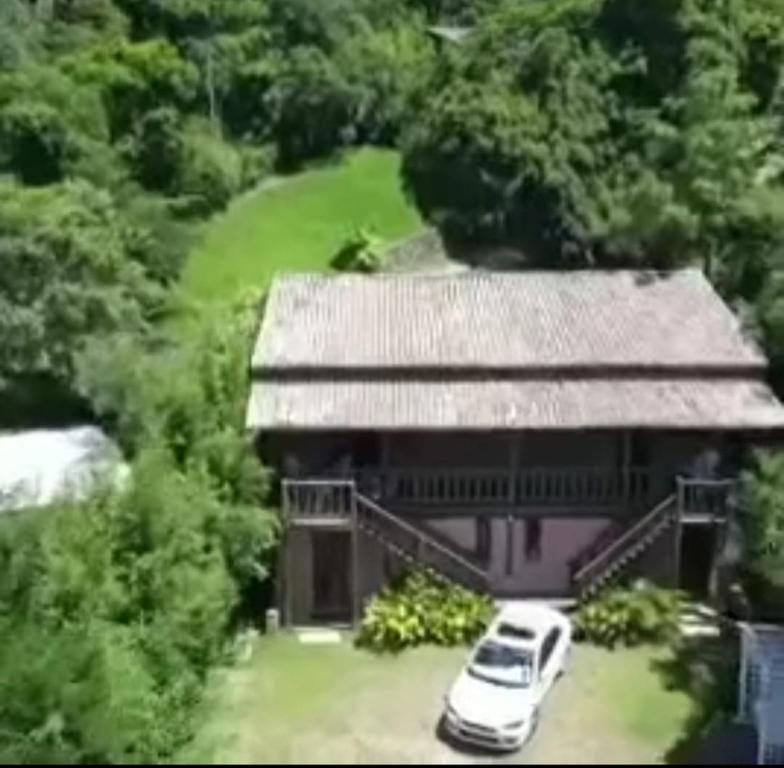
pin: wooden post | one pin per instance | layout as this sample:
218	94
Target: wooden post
356	601
626	450
678	531
288	610
514	467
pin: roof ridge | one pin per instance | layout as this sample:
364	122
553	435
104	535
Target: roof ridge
473	273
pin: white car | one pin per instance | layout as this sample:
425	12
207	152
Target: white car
495	701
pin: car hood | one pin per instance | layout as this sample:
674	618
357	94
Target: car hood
488	704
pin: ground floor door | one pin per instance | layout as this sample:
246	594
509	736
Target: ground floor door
331	576
698	548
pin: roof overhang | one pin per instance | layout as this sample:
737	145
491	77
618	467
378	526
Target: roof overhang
678	403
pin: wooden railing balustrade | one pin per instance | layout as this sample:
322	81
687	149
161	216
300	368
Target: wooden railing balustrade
707	498
418	545
613	556
317	499
553	486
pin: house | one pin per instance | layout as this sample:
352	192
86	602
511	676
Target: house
39	467
528	433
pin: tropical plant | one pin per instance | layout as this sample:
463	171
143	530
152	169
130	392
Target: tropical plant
762	519
629	616
420	609
362	252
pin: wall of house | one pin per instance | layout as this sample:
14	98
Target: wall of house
511	571
500	449
297	592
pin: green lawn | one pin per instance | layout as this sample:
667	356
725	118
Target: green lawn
302	703
297	223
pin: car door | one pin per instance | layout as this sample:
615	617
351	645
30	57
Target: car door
548	660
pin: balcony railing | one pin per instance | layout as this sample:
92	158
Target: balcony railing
544	486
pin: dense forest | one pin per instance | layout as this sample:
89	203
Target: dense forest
583	132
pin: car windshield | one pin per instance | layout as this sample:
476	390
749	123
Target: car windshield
502	664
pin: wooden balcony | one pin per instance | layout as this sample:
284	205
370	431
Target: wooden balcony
535	486
450	489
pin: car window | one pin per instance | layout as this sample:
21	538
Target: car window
515	631
502	665
548	646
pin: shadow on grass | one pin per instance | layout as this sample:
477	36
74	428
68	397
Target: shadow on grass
706	669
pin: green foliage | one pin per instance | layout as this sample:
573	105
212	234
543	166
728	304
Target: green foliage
35	143
763	519
212	171
156	150
385	70
363	252
66	276
192	399
641	614
594	132
134	78
184	160
309	83
420	609
119	606
135	589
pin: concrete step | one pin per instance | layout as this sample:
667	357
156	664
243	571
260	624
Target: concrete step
699	620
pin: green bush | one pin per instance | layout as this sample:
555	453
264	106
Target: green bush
420	609
641	614
362	252
211	172
258	162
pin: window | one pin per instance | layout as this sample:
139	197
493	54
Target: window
533	540
548	646
484	541
515	632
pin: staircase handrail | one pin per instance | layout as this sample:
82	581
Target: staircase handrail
426	540
625	538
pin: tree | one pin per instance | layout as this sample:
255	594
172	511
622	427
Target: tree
134	79
313	107
589	132
156	148
35	143
763	519
65	276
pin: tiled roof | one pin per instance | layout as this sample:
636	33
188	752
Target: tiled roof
501	320
491	350
406	404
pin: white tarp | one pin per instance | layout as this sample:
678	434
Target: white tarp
39	467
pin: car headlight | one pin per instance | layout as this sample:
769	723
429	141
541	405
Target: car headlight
515	724
451	712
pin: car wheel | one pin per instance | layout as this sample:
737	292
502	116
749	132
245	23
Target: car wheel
534	722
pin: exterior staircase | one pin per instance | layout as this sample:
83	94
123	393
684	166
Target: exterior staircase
416	547
619	547
338	504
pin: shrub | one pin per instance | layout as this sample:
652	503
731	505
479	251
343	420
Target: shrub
211	172
155	150
363	252
35	143
633	616
258	162
420	609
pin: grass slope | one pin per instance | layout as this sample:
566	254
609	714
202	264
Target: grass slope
298	224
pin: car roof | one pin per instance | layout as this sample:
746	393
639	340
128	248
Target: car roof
531	621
